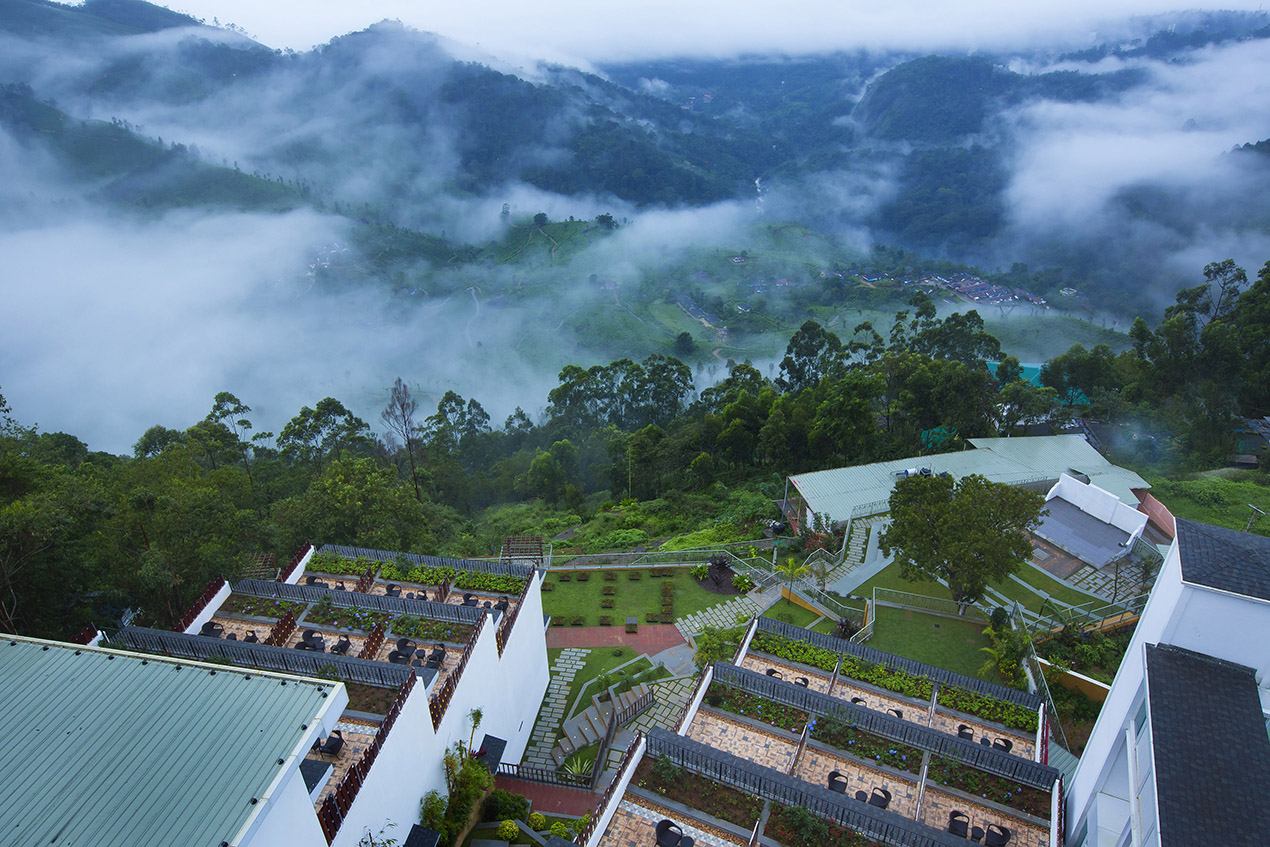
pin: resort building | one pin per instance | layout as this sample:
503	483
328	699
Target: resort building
1180	754
402	648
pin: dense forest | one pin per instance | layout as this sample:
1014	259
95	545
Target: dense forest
85	535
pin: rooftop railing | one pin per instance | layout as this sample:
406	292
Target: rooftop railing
265	657
441	697
295	561
886	726
354	600
481	566
200	603
910	666
880	825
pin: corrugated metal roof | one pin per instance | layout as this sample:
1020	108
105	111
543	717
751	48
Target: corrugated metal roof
851	492
104	748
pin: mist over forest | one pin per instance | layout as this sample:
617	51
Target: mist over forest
185	210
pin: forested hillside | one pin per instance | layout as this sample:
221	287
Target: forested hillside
84	535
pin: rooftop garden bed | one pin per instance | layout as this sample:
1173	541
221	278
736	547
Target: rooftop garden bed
795	651
756	708
865	745
1007	714
333	564
794	826
261	607
998	789
661	776
326	613
892	679
408	626
436	575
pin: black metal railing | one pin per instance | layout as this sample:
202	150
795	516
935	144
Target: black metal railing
889	727
910	666
529	773
881	825
265	657
470	615
499	567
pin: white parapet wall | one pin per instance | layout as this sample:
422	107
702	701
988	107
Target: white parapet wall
294	577
209	610
1099	503
615	796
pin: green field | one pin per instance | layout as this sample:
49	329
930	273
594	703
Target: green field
1032	600
936	640
1220	498
791	613
631	598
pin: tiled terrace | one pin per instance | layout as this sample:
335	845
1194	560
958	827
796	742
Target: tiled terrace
743	740
1023	745
814	766
938	803
635	821
357	737
410	591
761	664
910	710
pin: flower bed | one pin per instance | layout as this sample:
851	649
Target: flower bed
363	619
794	826
892	679
866	745
261	607
402	572
998	789
661	776
756	708
1009	714
795	651
408	626
493	583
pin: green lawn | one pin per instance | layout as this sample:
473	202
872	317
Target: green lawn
791	613
631	598
1042	581
1220	498
825	627
889	577
934	639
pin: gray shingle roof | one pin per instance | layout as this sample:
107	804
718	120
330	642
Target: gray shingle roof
1212	754
110	749
1224	558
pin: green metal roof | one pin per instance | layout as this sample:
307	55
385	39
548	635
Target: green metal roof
844	493
106	748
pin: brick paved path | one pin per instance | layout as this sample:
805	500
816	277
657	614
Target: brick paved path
651	639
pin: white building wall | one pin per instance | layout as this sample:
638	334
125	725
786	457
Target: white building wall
289	819
1106	741
1099	503
1227	626
294	578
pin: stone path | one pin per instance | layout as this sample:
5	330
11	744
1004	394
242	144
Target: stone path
554	705
670	698
725	615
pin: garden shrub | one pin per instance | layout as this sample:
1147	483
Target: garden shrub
633	576
608	591
558	620
583	576
493	583
892	679
566	576
548	586
1009	714
610	576
501	805
667	590
507	830
578	620
537	821
607	603
652	617
605	620
795	651
667	618
560	829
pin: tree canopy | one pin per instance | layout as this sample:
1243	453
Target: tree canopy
967	532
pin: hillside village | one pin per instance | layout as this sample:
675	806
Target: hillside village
355	691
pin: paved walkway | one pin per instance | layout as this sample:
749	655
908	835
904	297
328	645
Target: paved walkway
554	705
551	799
726	615
651	639
670	698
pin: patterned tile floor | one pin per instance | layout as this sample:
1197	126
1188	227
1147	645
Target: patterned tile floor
937	804
844	689
788	673
815	766
739	740
357	737
635	825
1024	746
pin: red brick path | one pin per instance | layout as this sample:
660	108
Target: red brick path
551	799
651	639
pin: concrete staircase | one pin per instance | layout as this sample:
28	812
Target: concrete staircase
590	725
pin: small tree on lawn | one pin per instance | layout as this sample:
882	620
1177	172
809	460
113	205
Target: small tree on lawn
967	532
790	570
